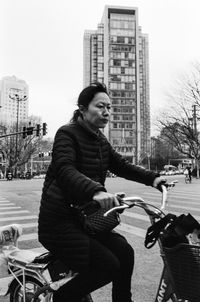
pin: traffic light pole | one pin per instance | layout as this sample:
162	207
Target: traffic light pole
11	134
28	131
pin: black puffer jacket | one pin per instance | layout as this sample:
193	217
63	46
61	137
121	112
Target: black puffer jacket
80	161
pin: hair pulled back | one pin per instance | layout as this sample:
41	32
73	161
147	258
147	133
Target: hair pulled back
86	96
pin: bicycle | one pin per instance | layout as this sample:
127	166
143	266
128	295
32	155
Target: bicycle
34	277
188	179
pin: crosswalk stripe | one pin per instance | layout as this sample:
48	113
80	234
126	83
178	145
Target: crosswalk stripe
29	225
26	237
185	208
9	208
174	194
4	200
178	202
14	212
158	197
7	204
18	218
182	206
136	216
131	229
146	218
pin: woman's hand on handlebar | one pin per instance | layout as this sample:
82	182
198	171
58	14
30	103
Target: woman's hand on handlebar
159	182
106	200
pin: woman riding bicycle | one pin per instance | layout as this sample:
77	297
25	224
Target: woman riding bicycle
81	158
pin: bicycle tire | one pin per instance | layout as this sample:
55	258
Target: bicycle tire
16	291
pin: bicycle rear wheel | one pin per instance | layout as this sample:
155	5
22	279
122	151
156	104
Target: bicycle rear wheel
31	285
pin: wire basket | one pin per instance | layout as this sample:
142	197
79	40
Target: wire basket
183	262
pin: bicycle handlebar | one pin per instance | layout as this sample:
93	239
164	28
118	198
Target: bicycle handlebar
129	202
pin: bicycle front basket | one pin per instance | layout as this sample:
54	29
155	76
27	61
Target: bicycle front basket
183	262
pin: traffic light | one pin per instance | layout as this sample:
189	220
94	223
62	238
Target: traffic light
38	130
29	130
44	128
24	134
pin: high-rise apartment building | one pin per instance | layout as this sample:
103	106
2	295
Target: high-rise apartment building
117	54
13	101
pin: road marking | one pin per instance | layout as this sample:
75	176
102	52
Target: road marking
179	205
146	218
131	229
26	237
19	218
136	216
29	225
4	200
8	208
15	212
7	204
179	193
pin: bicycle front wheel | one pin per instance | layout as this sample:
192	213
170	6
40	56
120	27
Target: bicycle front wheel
187	180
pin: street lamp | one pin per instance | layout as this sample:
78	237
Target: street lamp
16	96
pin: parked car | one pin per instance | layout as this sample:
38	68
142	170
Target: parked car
22	175
28	175
40	176
170	172
163	172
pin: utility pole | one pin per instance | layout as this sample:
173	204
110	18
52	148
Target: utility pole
195	119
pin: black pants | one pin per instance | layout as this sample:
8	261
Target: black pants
111	260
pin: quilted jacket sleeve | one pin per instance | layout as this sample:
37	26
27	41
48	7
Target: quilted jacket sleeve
64	161
123	168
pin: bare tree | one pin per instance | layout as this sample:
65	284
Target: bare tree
18	149
178	125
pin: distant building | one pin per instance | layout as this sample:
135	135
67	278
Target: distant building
13	101
117	54
34	120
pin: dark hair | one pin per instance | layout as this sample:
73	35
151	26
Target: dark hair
86	96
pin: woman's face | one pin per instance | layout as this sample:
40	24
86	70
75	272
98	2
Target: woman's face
98	111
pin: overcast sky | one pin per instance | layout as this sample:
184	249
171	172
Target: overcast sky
41	42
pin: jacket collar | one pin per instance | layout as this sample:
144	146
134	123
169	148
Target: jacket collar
96	134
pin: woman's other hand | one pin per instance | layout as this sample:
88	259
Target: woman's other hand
106	200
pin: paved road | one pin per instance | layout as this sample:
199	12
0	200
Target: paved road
19	203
